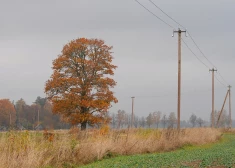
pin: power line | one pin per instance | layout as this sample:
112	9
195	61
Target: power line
167	14
201	51
187	32
191	39
184	28
195	54
222	78
220	81
154	14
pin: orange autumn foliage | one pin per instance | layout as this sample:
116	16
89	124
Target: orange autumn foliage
79	87
7	113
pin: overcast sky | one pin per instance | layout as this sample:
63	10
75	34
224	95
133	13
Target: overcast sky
33	33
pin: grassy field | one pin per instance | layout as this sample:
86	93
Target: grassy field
73	148
221	154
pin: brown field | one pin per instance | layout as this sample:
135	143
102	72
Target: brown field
66	148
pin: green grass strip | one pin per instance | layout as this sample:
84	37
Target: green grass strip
220	154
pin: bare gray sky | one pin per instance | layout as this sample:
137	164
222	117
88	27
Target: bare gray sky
33	34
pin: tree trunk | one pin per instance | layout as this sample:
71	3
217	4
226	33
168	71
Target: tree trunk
83	125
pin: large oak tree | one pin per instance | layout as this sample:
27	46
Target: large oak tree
79	87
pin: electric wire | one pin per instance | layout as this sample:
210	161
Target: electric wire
166	14
220	81
154	14
185	29
172	27
222	78
201	51
194	54
191	39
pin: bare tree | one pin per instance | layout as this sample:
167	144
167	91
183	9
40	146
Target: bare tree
149	120
113	120
142	122
171	120
127	120
193	119
136	121
200	121
164	121
121	118
157	117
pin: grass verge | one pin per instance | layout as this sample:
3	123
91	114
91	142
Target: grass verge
66	149
221	154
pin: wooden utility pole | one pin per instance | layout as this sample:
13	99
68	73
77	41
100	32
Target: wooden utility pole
179	75
230	110
132	113
217	124
213	100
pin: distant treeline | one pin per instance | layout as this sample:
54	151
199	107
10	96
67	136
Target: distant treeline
157	119
19	115
38	116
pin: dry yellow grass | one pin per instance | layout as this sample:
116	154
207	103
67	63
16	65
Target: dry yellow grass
32	149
